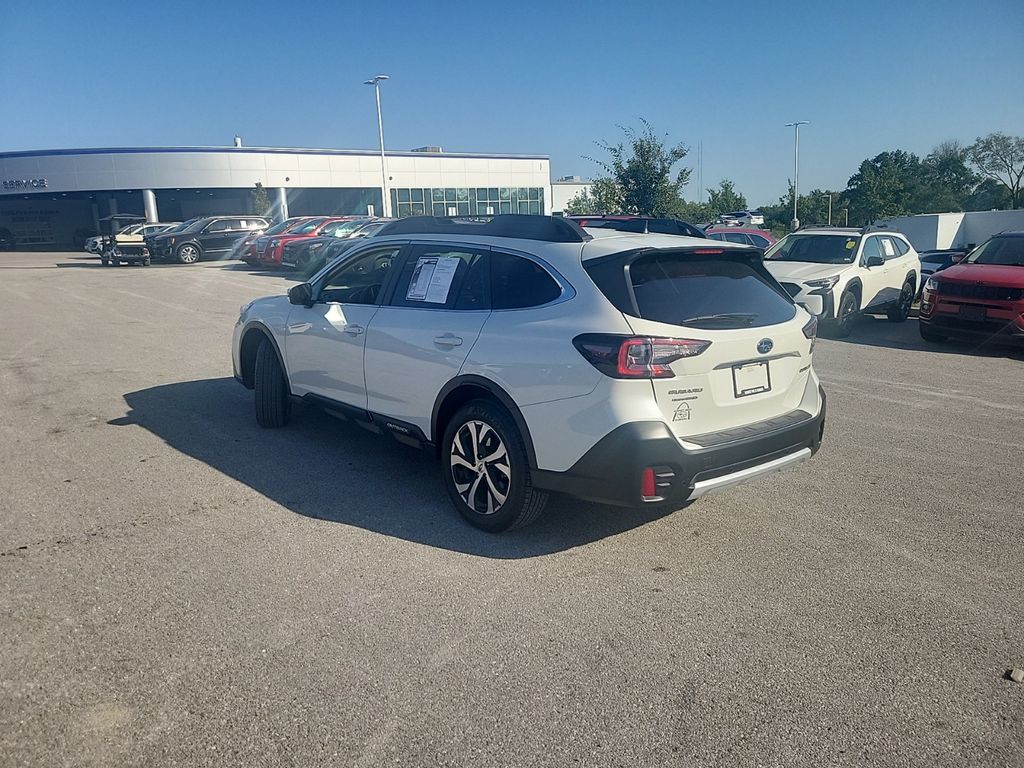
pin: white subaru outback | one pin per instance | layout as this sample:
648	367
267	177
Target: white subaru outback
534	356
852	270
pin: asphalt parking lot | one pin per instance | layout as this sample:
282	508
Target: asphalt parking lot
180	587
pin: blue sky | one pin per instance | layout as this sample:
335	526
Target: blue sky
547	78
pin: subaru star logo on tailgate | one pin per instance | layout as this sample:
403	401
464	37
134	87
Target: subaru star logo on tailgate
764	346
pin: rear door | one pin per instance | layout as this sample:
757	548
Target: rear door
874	279
758	362
420	339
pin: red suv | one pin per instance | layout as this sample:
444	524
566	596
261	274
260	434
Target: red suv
270	247
982	297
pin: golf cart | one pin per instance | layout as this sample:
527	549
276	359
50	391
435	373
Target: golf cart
116	248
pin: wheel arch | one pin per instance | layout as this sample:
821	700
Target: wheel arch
465	388
912	279
248	345
856	287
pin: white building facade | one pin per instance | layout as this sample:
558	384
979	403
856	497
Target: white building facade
55	198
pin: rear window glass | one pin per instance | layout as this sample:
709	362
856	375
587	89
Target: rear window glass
934	258
518	282
681	289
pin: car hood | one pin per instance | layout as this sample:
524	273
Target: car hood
803	270
985	274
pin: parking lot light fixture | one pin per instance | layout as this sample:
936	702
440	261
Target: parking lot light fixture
795	224
829	196
375	81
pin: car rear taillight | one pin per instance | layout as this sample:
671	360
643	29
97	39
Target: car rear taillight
811	328
636	357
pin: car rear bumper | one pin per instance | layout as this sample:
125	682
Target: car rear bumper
611	471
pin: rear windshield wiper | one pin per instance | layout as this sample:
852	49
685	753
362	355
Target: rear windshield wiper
738	318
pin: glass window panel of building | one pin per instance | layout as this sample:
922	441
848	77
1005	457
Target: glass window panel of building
466	201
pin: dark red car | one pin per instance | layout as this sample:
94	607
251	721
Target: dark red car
270	247
246	249
980	298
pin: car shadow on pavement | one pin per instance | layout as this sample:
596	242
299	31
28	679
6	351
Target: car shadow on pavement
873	331
281	274
330	470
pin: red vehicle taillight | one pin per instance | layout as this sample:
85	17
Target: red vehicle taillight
636	357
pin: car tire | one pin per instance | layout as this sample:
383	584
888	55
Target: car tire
846	313
901	311
486	470
147	261
273	402
188	253
104	261
929	335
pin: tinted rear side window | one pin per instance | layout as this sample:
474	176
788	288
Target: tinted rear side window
680	289
517	282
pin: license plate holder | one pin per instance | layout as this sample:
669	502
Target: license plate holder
972	313
751	378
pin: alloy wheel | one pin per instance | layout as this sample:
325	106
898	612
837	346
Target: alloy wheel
480	467
188	254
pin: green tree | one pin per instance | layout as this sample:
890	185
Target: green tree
990	195
725	199
947	179
603	197
1001	158
887	185
259	201
640	171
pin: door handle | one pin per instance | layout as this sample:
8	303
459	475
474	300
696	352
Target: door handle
354	330
448	340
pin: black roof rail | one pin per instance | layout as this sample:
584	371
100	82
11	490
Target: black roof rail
551	229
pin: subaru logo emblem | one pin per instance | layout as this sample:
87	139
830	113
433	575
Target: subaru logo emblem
764	346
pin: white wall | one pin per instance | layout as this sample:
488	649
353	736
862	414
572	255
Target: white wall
929	231
564	191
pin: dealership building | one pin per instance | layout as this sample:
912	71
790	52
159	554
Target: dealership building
53	199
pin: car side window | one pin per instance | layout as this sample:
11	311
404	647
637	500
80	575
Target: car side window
871	248
443	277
220	225
888	248
760	242
737	237
717	236
517	282
901	245
359	280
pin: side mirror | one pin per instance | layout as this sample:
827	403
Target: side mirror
875	261
301	295
813	303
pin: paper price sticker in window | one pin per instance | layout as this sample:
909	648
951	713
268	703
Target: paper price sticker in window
432	279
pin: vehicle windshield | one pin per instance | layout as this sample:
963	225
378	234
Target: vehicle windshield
342	228
306	227
283	226
1004	251
816	249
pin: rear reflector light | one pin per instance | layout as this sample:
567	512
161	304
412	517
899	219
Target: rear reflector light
708	251
647	487
636	357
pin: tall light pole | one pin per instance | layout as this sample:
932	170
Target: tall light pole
385	201
795	224
829	196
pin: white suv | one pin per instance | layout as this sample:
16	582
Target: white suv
852	270
535	356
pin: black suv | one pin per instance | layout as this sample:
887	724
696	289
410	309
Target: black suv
207	236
